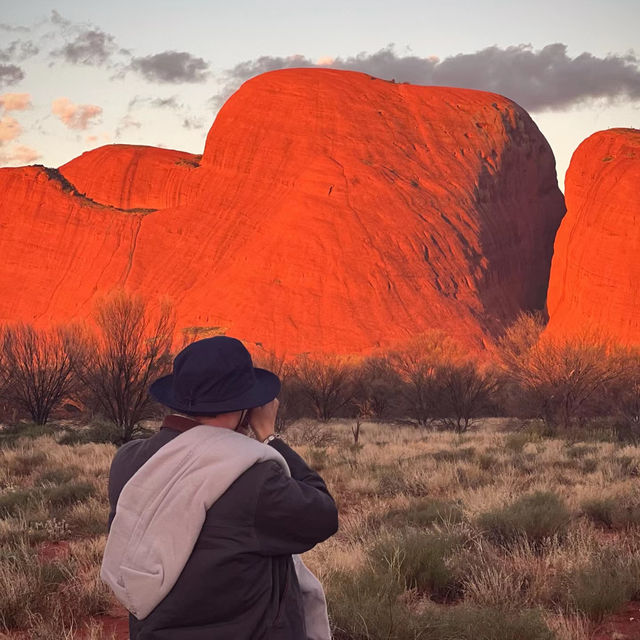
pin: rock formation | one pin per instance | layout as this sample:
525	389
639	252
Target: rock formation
595	273
330	211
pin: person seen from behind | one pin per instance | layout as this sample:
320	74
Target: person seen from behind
206	523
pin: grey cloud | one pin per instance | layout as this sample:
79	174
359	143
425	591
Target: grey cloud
234	77
10	74
13	28
57	18
162	103
171	67
18	51
546	79
89	47
191	123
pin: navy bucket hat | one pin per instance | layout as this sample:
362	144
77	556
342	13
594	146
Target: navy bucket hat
215	375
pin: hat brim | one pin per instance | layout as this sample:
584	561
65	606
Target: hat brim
265	389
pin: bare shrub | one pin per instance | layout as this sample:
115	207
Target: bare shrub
327	382
567	379
37	367
422	364
291	397
468	392
625	395
116	366
377	387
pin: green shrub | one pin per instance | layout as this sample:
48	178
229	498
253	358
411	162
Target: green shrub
67	494
13	502
58	476
537	516
418	560
516	442
600	510
24	464
317	458
454	455
366	605
488	462
424	512
26	585
601	587
470	623
577	451
611	512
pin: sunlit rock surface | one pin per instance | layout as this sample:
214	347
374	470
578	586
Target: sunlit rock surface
330	211
595	274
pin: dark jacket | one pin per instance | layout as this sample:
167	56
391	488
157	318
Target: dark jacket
239	583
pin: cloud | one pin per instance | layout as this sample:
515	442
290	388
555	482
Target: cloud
15	101
191	123
171	67
10	74
162	103
75	116
538	80
127	122
19	154
9	129
18	51
89	47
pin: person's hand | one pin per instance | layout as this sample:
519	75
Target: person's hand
262	420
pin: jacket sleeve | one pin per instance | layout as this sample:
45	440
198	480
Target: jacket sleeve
293	514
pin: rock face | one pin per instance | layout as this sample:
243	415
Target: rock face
330	211
595	273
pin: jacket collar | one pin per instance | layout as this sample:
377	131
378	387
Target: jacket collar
178	423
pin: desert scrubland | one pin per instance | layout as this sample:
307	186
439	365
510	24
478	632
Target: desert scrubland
503	532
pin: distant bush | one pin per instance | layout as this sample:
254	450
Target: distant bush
537	516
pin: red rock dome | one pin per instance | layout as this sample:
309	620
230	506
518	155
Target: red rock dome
595	273
330	211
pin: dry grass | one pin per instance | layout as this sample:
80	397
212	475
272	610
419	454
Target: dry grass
416	555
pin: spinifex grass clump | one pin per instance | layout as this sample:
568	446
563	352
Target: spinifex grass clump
601	586
27	584
613	512
367	605
424	512
537	516
472	623
418	560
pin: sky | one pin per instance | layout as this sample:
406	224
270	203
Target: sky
78	75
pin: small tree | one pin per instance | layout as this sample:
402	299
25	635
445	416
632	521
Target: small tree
290	397
37	368
467	393
625	394
131	349
377	387
421	365
567	378
327	383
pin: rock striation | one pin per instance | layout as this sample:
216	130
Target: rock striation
330	211
596	263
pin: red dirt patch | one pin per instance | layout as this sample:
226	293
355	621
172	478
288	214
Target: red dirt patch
624	625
